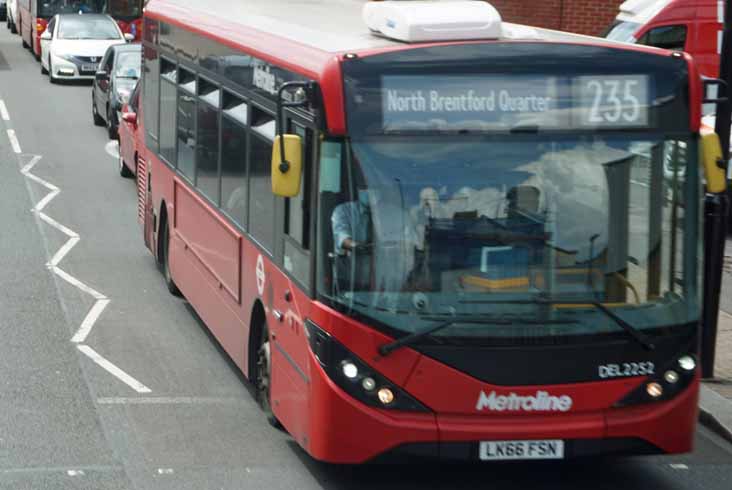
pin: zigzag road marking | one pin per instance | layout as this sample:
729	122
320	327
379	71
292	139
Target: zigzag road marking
101	301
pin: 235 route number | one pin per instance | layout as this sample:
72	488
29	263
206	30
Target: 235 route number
620	101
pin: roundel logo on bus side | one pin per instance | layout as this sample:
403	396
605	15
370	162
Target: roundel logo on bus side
259	272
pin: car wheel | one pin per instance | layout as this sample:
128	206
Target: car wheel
112	124
43	70
22	41
263	380
123	170
98	120
169	282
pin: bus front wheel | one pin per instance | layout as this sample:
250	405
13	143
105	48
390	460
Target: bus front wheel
264	377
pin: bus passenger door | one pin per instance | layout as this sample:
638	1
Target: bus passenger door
290	300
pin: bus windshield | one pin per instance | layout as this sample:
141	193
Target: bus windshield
419	228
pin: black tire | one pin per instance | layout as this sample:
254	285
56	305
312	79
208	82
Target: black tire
172	288
43	70
13	28
123	170
263	377
98	120
22	40
112	124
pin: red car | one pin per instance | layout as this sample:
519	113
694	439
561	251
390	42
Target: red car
129	133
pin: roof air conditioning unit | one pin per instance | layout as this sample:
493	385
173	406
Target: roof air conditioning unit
421	21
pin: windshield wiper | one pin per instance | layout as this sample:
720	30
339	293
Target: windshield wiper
387	349
638	336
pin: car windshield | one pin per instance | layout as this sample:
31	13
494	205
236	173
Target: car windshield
415	228
88	28
128	64
623	32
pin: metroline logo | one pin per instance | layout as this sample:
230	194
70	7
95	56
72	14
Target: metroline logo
541	402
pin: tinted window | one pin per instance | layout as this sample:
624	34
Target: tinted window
167	121
186	134
207	151
234	171
666	37
151	88
261	199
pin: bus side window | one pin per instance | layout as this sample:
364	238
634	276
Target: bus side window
666	37
261	199
297	215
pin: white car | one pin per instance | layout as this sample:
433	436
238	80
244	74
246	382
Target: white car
73	45
12	16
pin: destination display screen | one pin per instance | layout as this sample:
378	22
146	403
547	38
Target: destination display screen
503	102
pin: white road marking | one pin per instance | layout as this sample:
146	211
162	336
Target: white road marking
14	141
112	149
52	222
61	252
101	301
113	370
75	472
4	111
77	283
172	400
44	202
88	323
165	471
679	466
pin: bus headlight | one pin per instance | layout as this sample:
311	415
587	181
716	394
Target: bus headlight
664	385
355	377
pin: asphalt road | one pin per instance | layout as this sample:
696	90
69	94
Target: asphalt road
67	423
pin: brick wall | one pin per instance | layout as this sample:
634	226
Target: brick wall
581	16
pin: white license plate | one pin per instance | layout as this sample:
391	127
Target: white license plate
512	450
89	67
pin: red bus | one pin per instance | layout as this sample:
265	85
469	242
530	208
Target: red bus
453	237
34	15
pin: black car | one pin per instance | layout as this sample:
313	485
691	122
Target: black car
118	73
3	10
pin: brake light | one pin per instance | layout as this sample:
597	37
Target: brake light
41	26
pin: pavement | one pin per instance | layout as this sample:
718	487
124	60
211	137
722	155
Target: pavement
716	394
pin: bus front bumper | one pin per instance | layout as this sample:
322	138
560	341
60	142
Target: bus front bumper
343	430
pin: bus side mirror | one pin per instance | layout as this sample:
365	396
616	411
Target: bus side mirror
287	173
712	163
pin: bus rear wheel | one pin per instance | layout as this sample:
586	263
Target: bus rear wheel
166	264
263	378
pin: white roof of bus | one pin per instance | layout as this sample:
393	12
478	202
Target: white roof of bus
641	11
327	25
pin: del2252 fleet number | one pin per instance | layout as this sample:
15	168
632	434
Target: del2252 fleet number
626	369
